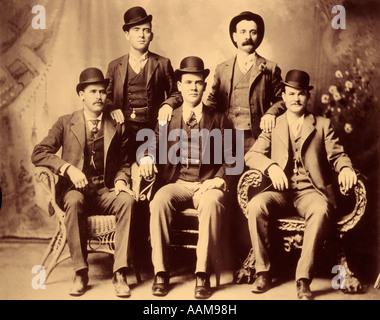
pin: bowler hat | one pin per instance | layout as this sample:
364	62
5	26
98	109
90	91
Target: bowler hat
297	79
247	15
90	76
191	64
135	16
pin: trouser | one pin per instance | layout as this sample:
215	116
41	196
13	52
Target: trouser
78	205
180	195
309	204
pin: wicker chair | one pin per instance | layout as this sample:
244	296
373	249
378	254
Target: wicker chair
101	228
291	229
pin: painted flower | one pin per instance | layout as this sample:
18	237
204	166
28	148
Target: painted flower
325	98
339	74
348	128
337	96
349	84
333	89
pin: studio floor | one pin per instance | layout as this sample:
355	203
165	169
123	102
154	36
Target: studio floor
17	259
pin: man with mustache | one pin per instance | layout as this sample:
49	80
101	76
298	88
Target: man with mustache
94	176
298	156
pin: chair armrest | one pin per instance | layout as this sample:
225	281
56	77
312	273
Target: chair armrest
350	220
47	180
250	179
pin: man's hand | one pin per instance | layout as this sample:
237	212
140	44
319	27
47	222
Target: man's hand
347	178
215	183
118	116
77	177
147	169
121	186
278	177
267	123
165	113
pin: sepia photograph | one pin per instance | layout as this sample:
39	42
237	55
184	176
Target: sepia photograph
166	151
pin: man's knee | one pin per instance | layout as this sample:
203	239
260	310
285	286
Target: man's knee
212	199
318	210
73	199
257	206
123	202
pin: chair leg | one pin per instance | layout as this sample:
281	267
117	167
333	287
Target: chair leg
56	247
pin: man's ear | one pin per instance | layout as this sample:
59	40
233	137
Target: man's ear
81	95
234	36
126	34
204	86
179	85
152	36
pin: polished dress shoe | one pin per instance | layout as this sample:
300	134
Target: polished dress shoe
80	282
160	286
202	286
119	280
262	283
303	289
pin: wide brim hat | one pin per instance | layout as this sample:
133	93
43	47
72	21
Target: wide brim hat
135	16
247	15
191	64
91	76
297	79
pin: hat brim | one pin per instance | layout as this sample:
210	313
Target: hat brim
82	85
127	26
179	72
248	16
296	87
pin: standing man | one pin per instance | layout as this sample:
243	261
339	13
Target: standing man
298	156
189	182
140	80
94	175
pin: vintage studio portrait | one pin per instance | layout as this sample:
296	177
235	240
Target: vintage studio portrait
163	150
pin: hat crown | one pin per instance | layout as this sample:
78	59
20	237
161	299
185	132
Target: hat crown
91	75
134	14
192	63
298	79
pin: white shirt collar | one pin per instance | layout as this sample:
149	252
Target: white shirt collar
295	124
245	63
197	110
88	118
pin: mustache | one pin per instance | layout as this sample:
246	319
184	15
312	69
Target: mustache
248	42
98	101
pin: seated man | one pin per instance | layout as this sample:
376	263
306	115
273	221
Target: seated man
93	162
191	182
298	157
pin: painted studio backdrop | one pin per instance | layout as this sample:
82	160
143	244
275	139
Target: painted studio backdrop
39	70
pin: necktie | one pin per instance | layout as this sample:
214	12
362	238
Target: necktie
94	129
192	121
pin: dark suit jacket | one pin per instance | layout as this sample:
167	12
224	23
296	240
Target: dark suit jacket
160	83
210	120
320	151
265	89
69	134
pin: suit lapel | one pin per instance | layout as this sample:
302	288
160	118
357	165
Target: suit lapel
255	71
123	67
109	133
78	128
281	131
308	128
229	71
152	66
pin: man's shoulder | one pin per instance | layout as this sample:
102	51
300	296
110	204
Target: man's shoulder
158	57
118	60
269	63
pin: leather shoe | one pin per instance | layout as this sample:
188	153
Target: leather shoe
303	289
202	286
262	283
160	286
119	280
80	282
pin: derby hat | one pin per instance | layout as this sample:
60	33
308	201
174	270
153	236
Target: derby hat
135	16
191	64
90	76
247	15
297	79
